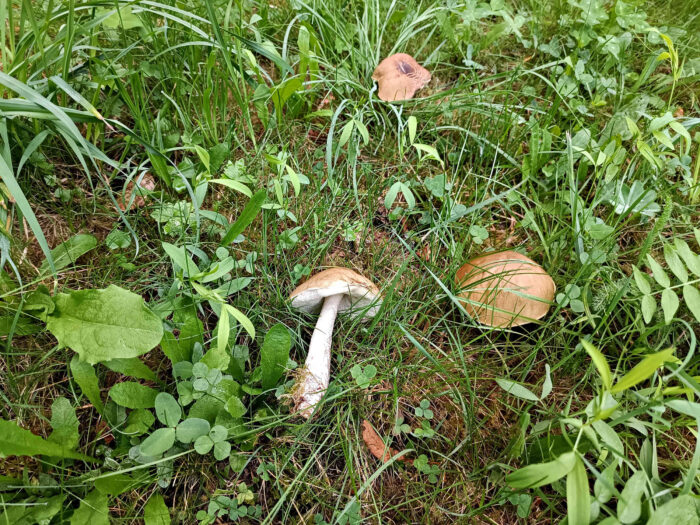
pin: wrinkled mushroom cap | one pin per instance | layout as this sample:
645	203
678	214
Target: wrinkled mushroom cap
505	289
359	292
399	77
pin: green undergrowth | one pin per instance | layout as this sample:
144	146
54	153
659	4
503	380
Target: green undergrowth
171	171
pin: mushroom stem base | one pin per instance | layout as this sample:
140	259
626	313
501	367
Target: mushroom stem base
317	368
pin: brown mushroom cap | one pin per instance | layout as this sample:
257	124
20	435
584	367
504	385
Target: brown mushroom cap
399	77
505	289
359	292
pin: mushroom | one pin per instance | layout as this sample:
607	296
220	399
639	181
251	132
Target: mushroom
399	77
332	291
505	289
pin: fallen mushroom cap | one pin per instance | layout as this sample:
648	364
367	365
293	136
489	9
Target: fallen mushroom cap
505	289
399	77
358	291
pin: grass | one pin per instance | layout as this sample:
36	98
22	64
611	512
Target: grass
512	120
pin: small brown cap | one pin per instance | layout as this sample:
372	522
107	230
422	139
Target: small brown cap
505	289
359	292
399	77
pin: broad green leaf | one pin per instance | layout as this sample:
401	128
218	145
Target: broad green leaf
158	442
235	407
168	409
234	185
192	428
207	407
133	395
600	363
391	195
131	366
217	358
659	273
69	251
345	133
86	378
641	280
222	450
547	384
241	318
104	324
604	486
674	263
643	370
682	510
172	348
93	510
691	296
429	151
251	210
16	441
293	176
64	423
156	512
122	17
274	355
669	304
648	308
203	444
610	438
629	506
577	496
139	422
191	333
181	258
116	484
540	474
692	260
517	390
363	131
689	408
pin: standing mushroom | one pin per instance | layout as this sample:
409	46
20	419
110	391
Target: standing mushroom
399	77
505	289
332	291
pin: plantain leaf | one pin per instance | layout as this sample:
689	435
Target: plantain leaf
540	474
16	441
101	325
156	512
274	355
133	395
69	251
84	374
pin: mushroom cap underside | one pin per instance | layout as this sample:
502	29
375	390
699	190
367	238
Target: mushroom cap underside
358	292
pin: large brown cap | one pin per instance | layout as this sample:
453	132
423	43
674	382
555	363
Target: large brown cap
359	292
505	289
399	77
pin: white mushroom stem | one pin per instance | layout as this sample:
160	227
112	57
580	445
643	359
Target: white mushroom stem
317	369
